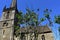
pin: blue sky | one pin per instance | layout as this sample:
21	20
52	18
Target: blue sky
34	4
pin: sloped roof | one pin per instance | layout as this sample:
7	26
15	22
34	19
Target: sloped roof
39	29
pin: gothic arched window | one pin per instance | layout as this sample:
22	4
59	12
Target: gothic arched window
43	37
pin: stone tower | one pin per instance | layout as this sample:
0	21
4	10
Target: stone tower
7	22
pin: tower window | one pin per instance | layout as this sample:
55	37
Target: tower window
5	24
43	37
3	32
31	39
7	16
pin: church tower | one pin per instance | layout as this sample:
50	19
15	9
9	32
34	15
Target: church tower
7	22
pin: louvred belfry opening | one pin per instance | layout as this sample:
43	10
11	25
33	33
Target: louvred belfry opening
7	16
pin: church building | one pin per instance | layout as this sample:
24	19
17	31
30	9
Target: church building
26	33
